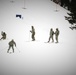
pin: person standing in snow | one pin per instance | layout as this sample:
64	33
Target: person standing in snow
33	33
51	35
11	45
56	34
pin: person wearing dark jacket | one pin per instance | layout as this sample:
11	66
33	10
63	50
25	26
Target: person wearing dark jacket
11	45
51	35
33	33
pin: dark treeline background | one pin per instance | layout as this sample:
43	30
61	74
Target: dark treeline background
71	6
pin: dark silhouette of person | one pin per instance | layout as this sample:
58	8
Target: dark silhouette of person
33	33
57	34
3	35
51	35
11	45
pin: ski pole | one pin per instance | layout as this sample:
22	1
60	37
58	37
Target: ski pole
18	49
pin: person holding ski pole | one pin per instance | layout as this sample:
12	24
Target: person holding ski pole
11	45
33	33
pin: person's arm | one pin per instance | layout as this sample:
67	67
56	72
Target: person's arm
30	31
15	44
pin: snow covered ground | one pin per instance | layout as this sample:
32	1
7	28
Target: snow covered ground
36	58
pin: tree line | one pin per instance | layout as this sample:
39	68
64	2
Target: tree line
71	6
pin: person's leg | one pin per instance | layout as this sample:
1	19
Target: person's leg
4	37
56	39
52	39
13	49
49	39
33	37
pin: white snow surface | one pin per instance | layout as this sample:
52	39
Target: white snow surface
36	58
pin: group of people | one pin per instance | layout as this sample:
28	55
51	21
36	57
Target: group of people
52	35
12	43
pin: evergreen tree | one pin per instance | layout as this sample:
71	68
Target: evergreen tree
72	15
65	3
